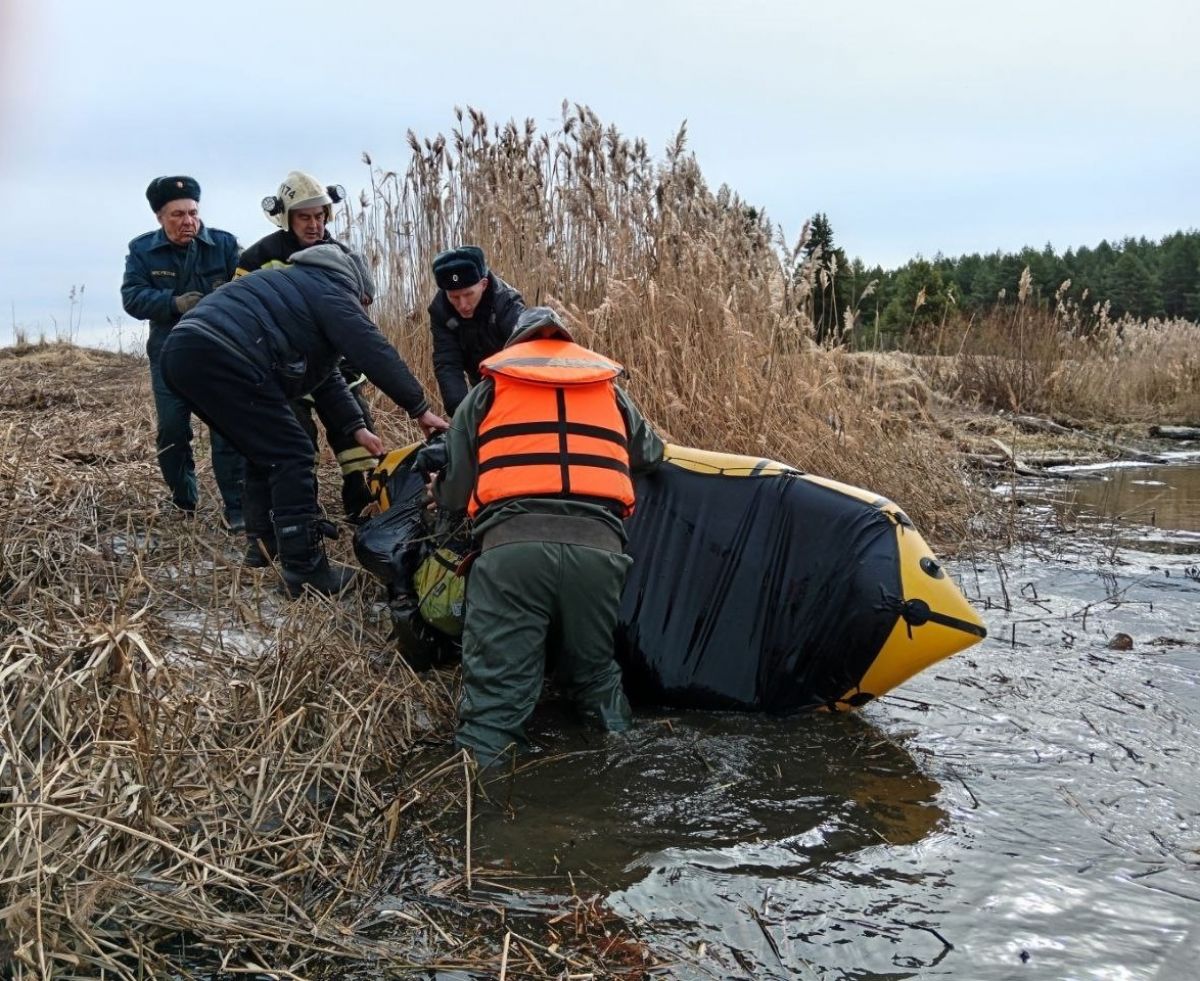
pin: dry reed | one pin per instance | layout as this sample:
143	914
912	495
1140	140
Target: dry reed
198	777
1071	363
691	289
201	778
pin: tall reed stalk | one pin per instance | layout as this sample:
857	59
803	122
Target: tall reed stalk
1067	361
691	288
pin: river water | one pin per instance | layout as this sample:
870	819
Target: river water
1027	809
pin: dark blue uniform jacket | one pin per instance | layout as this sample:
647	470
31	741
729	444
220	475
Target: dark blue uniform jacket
157	271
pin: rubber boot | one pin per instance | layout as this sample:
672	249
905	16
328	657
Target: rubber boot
260	536
302	555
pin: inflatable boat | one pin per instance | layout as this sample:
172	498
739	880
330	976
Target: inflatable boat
754	586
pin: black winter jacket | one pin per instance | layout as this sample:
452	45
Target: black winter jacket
275	251
459	345
295	323
272	251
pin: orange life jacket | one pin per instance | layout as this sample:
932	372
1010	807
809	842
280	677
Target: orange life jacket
554	428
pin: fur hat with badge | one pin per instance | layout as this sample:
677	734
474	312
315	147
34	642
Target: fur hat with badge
163	190
457	269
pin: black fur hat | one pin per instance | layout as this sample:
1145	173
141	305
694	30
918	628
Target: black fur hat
456	269
163	190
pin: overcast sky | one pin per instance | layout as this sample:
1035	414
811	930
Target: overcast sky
917	126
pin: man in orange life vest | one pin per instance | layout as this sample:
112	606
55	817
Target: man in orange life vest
541	454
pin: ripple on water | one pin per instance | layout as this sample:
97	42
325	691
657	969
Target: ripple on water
1026	808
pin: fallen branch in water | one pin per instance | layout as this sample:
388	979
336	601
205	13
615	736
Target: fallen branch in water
1039	424
1175	432
1008	461
985	462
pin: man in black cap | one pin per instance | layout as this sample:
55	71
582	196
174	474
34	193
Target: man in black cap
167	272
471	317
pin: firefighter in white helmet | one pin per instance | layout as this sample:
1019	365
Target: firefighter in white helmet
303	210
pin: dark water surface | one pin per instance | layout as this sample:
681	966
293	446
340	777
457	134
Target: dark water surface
1145	500
1027	809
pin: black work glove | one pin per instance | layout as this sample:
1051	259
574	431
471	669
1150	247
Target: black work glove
430	458
185	301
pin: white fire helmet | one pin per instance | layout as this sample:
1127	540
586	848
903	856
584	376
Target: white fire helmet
301	190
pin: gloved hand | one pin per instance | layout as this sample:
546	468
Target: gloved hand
430	458
185	301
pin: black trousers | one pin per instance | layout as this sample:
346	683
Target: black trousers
248	407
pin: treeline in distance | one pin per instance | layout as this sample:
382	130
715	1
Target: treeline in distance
1136	277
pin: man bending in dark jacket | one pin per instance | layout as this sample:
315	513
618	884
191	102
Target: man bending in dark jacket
242	354
471	317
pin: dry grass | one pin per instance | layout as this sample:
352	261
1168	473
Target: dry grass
198	775
1072	364
690	288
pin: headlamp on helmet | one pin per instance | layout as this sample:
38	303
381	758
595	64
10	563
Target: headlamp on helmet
301	190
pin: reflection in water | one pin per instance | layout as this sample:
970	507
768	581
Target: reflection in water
1155	497
1028	808
819	786
694	820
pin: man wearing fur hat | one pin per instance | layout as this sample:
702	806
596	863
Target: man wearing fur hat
167	272
242	355
541	454
303	209
471	317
